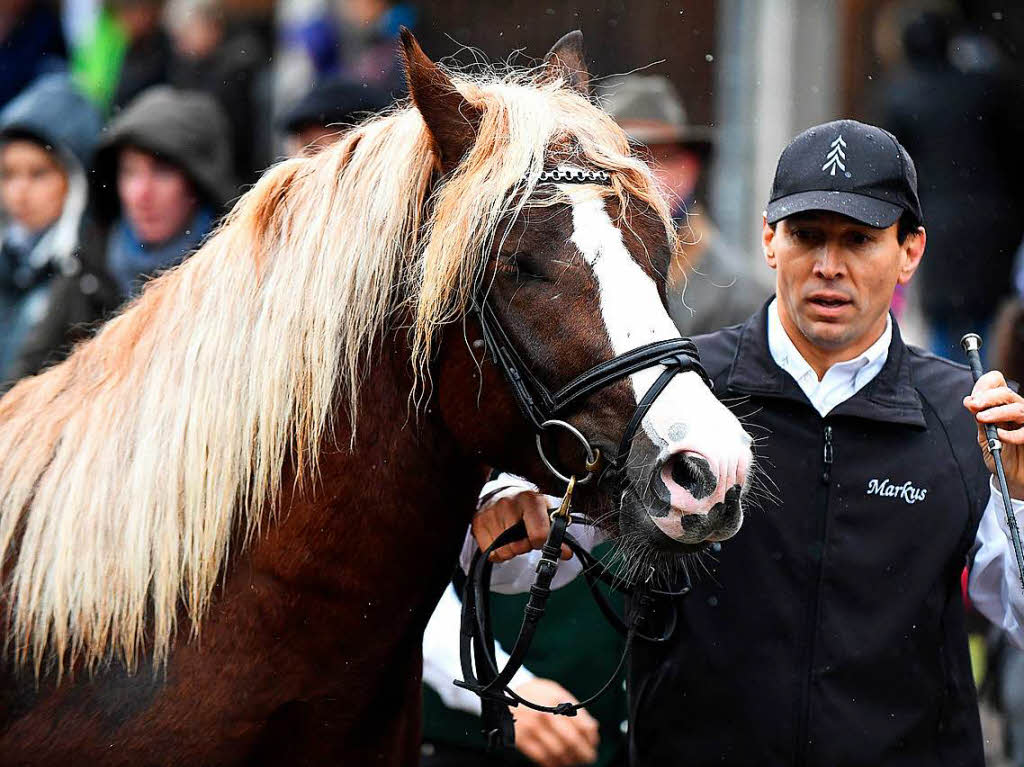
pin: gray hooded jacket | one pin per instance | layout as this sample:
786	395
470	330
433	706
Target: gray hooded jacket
185	128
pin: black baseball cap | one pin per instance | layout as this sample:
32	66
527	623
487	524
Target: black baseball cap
846	167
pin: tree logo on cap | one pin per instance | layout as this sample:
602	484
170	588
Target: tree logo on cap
836	156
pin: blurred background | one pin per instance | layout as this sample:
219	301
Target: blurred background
128	126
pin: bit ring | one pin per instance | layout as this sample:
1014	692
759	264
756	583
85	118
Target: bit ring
593	457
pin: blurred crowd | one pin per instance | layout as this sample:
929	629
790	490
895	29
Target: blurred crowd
127	128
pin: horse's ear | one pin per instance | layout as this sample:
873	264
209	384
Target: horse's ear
451	120
567	60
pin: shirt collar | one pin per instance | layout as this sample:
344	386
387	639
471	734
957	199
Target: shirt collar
788	357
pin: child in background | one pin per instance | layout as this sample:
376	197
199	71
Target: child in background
47	135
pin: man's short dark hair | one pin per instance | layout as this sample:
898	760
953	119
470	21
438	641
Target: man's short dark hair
906	226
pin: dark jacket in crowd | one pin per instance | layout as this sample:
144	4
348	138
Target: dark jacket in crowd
231	75
962	129
32	46
830	629
146	63
73	301
53	284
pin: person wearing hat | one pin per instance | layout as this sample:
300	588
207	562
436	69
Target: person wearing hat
48	243
710	284
830	629
319	117
162	176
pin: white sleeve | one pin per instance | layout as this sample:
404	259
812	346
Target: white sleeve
441	661
516	575
994	581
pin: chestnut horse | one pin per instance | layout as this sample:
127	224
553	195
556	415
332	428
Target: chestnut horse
224	520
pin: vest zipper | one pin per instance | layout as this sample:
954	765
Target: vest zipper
814	614
826	473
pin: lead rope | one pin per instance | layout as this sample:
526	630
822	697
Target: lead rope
477	648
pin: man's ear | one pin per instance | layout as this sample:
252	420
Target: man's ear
451	120
567	60
767	242
911	255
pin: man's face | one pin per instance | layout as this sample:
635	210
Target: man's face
156	197
835	277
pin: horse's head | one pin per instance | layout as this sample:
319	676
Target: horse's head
573	278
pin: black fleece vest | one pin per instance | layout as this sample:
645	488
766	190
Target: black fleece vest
830	630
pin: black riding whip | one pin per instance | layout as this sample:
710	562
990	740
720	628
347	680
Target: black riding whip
971	343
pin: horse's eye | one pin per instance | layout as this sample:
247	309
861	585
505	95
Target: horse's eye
521	263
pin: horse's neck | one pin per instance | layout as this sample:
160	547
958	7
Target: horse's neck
384	521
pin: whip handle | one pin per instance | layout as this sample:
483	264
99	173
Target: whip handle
971	343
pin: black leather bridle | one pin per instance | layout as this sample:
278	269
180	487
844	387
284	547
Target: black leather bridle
542	408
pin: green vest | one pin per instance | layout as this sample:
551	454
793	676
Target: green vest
574	645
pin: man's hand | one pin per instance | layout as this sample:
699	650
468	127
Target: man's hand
550	740
495	518
993	402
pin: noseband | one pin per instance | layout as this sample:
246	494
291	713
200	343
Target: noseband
542	408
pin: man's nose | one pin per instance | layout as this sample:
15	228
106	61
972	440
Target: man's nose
828	265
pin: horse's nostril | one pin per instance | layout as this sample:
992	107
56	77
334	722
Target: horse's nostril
693	474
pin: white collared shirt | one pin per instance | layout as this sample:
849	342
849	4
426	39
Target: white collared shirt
842	380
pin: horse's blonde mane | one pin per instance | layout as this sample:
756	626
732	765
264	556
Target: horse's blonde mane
127	470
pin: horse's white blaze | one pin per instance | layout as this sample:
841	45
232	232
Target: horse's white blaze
686	416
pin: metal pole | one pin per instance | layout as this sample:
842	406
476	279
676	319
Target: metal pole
971	343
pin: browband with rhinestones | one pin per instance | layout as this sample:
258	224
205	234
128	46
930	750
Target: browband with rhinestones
574	176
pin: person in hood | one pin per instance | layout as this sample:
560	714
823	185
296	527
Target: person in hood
47	244
163	176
